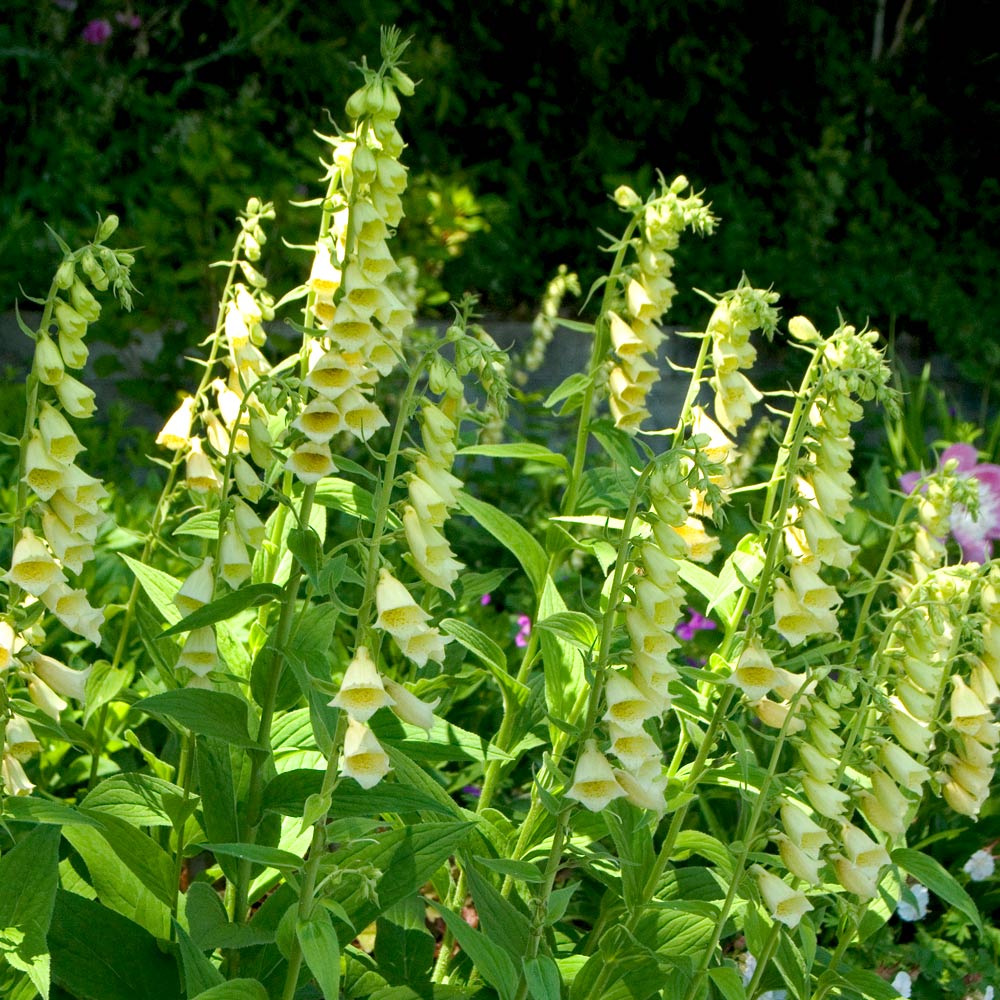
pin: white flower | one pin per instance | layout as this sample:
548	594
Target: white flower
980	867
916	910
902	984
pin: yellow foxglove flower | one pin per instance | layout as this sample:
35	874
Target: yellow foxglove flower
824	539
648	638
21	741
863	882
73	609
787	905
814	593
77	520
199	472
176	433
962	801
976	753
623	338
755	673
248	524
200	653
881	815
594	783
362	417
320	420
439	479
669	540
362	692
923	672
968	712
661	607
310	462
628	706
197	590
701	545
398	613
913	735
247	481
15	781
804	832
432	556
427	645
735	397
75	398
909	773
661	569
49	365
918	703
774	714
798	862
363	759
819	766
83	490
8	640
62	679
430	508
975	780
861	849
408	707
983	683
60	441
646	788
324	278
331	373
43	474
633	749
33	568
234	562
827	800
45	699
73	350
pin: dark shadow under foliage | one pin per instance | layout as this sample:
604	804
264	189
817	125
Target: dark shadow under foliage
850	172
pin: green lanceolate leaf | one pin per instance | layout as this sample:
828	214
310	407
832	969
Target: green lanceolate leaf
270	857
321	951
99	955
564	675
158	586
511	535
206	713
24	810
199	972
574	627
444	743
347	497
251	596
29	877
139	799
521	450
490	654
502	922
938	880
542	976
489	959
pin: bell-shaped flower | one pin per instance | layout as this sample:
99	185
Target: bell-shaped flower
33	567
430	508
825	798
45	699
20	739
199	472
408	707
234	561
324	278
75	398
861	849
792	619
247	481
701	545
594	783
310	462
427	645
362	692
59	438
862	881
398	613
961	800
432	556
798	862
74	350
662	607
755	673
331	375
819	765
83	490
62	679
8	644
646	787
735	397
787	905
320	420
919	704
648	638
975	780
803	831
15	781
198	589
628	706
43	474
967	709
439	479
248	524
200	653
631	748
73	609
983	683
913	735
908	772
49	365
776	715
362	417
363	759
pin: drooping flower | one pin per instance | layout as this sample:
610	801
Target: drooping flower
787	905
594	783
974	535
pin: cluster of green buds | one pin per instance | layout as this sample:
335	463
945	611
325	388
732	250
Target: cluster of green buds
359	320
220	434
544	325
646	293
56	495
640	690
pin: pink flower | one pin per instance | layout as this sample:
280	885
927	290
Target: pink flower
97	31
974	535
524	630
486	600
686	630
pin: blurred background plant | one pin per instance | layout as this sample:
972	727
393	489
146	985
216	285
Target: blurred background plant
843	147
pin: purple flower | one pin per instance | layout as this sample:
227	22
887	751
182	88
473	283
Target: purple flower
686	630
974	535
128	20
97	31
486	599
524	630
473	791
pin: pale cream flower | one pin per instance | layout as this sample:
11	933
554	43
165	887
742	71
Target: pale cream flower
362	692
200	653
594	783
62	679
75	398
645	788
59	437
15	781
628	706
234	561
198	589
755	673
21	741
199	472
432	556
398	613
787	905
363	759
410	708
33	568
804	832
310	462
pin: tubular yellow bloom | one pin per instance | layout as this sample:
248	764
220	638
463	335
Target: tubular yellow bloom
432	556
199	472
819	766
49	365
310	462
918	703
398	613
43	474
701	545
44	698
33	568
594	783
410	708
804	832
861	849
247	481
967	709
7	643
430	508
234	562
774	714
661	607
200	653
912	734
628	707
362	417
76	518
320	420
73	350
75	398
631	748
909	773
961	800
73	609
15	781
787	905
798	862
735	397
427	645
793	620
21	741
863	882
198	589
362	692
827	800
646	788
60	440
363	759
248	524
439	479
60	678
755	673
